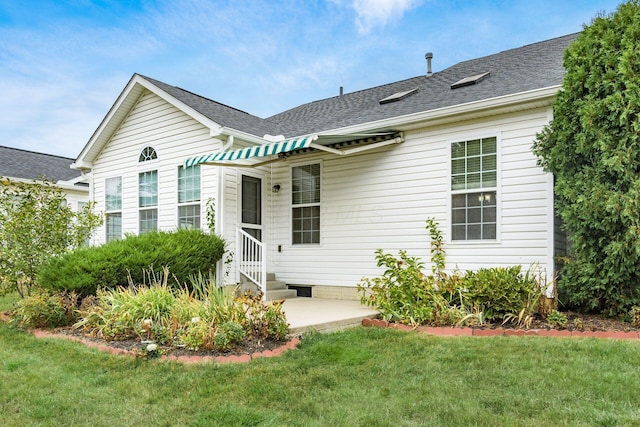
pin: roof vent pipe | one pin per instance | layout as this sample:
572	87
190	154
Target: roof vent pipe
428	56
341	91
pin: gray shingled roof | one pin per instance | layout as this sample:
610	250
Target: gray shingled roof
534	66
530	67
219	113
16	163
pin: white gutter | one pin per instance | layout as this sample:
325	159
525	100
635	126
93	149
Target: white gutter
81	166
230	140
505	102
243	135
65	185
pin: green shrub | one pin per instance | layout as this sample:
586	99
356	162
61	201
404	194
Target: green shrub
591	147
185	252
275	321
37	224
501	292
634	316
263	319
228	334
557	319
403	293
42	309
196	334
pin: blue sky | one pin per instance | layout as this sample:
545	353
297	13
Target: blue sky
64	62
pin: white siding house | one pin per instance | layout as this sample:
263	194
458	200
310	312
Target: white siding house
320	187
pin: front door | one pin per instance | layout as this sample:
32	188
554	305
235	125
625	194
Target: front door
251	221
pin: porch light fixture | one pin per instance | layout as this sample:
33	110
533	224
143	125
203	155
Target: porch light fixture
276	188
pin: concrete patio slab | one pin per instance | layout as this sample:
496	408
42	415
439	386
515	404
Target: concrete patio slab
324	315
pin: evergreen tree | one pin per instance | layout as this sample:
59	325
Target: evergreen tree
592	146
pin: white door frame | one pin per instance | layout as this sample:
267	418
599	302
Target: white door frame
262	177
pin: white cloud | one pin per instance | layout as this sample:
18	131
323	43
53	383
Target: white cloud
378	13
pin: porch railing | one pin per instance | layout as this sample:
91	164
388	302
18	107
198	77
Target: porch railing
251	259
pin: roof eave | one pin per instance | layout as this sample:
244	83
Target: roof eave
65	185
118	112
486	107
244	136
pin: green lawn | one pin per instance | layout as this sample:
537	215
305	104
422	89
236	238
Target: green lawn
365	376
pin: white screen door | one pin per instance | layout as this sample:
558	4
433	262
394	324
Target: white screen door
252	206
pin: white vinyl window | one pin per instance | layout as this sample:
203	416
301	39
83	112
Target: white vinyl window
148	201
113	208
474	180
305	197
189	197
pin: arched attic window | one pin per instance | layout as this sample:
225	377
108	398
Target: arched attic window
148	153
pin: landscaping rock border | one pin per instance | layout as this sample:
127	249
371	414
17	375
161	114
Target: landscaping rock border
499	331
244	358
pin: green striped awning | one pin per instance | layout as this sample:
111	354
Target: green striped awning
250	152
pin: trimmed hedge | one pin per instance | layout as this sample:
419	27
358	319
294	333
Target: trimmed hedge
185	252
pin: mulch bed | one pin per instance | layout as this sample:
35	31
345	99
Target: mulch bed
247	346
244	351
584	323
578	325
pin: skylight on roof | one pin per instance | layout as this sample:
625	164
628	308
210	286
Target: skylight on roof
398	96
468	81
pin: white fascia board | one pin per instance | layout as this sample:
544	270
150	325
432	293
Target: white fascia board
81	161
67	186
82	178
81	165
244	136
485	107
121	107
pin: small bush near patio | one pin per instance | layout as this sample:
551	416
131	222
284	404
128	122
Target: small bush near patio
500	292
186	252
405	294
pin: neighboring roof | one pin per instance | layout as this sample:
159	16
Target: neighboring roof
23	164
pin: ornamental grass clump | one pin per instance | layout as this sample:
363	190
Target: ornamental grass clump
201	316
